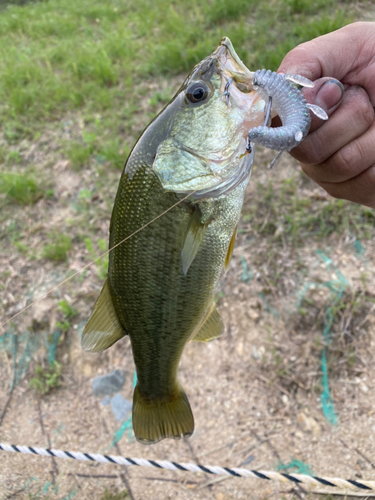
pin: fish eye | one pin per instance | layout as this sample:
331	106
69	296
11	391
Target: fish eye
197	92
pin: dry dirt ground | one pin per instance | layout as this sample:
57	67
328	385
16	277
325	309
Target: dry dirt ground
255	392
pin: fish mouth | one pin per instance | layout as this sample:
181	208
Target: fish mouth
232	66
237	85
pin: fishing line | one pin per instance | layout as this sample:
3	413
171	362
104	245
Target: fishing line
125	239
103	255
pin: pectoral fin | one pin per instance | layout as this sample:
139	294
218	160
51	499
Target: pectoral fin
193	238
103	328
228	258
211	328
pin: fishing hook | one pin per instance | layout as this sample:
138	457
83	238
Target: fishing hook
267	116
226	91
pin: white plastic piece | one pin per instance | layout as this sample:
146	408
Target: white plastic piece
318	111
298	135
299	80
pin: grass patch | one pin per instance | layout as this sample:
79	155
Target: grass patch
113	153
68	310
58	247
101	264
79	154
114	496
60	56
46	379
22	189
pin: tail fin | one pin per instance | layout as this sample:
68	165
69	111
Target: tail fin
157	420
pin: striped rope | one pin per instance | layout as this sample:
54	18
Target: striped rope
346	484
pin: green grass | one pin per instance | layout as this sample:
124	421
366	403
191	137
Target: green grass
102	263
106	150
79	154
59	56
114	496
68	310
58	247
46	379
22	189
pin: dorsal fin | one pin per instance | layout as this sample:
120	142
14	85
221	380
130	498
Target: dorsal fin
103	328
211	328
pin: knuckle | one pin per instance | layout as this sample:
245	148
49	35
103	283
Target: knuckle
332	189
362	110
367	187
334	193
359	189
315	150
302	61
346	159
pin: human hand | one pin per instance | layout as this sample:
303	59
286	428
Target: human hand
339	154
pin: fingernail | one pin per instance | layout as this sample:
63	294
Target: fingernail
330	94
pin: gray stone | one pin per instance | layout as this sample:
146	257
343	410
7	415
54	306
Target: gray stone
108	384
120	407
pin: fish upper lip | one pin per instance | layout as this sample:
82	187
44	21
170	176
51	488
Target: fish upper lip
228	44
232	65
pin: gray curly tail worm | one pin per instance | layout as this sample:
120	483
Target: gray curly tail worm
290	105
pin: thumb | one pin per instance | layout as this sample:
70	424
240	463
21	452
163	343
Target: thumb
326	93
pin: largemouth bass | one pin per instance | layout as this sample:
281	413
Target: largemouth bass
191	167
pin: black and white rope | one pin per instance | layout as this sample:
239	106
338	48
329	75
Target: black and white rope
304	479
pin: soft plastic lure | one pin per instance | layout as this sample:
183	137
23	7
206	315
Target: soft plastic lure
292	108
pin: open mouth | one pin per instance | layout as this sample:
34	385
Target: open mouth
232	66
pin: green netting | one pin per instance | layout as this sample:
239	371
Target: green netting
127	426
301	467
336	287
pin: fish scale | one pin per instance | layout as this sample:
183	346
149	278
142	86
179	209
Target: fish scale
151	279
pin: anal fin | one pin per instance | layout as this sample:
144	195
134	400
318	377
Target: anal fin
103	328
211	328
